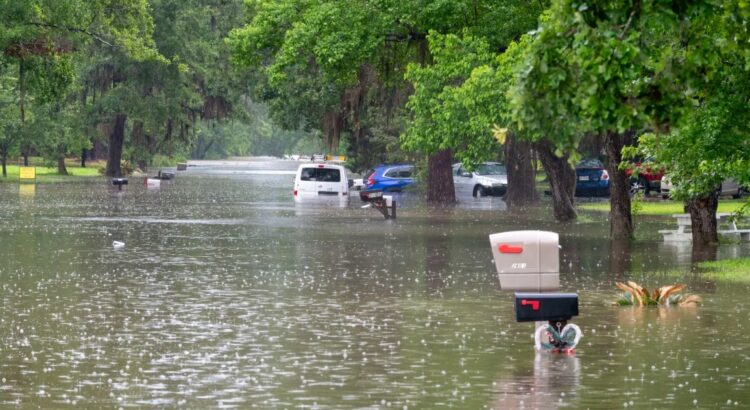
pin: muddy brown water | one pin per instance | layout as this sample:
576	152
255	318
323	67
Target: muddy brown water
228	294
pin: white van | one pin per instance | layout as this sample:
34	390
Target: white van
321	181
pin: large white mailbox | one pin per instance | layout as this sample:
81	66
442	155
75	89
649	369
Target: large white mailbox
527	260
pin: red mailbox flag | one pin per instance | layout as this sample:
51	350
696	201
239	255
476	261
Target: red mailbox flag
534	303
504	248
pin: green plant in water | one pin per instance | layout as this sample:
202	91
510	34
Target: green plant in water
637	295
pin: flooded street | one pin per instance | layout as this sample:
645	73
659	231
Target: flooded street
227	294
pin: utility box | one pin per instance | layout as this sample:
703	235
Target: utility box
532	307
527	260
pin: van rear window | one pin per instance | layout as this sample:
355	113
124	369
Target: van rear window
320	174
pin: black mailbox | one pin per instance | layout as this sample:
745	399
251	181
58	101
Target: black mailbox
532	307
119	182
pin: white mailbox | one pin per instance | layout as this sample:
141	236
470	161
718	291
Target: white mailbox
527	260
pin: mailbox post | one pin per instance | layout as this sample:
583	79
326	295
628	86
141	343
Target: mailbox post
529	261
383	203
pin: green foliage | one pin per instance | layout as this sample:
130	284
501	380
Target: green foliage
613	66
160	160
713	142
348	60
442	111
56	130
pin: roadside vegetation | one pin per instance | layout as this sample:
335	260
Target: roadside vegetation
46	173
731	270
665	207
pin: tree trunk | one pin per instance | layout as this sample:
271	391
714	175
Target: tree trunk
25	148
4	160
139	141
114	152
83	157
521	175
562	180
621	220
703	219
61	169
22	91
440	189
98	151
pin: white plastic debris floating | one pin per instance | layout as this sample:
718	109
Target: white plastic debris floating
118	244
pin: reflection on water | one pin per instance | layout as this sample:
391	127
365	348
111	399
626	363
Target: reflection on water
228	294
26	191
552	383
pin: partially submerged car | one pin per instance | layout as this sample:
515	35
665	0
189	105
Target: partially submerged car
389	178
321	180
489	178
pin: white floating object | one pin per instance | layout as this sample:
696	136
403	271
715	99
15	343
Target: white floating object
153	183
118	244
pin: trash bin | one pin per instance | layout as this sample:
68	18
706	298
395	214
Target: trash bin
527	260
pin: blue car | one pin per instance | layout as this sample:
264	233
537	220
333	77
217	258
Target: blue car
389	178
591	178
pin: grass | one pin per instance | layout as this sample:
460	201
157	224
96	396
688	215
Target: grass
46	174
733	270
728	271
664	208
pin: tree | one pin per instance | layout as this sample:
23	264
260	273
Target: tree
613	70
441	120
711	144
40	35
339	66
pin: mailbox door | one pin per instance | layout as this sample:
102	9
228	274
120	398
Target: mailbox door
516	252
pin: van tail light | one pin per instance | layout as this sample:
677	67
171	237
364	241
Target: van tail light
605	175
343	193
295	192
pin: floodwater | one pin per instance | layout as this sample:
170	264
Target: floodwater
228	295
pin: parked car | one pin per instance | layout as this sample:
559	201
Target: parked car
592	179
321	180
389	178
729	187
489	178
648	179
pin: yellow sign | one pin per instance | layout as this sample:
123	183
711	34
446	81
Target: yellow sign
27	173
341	158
